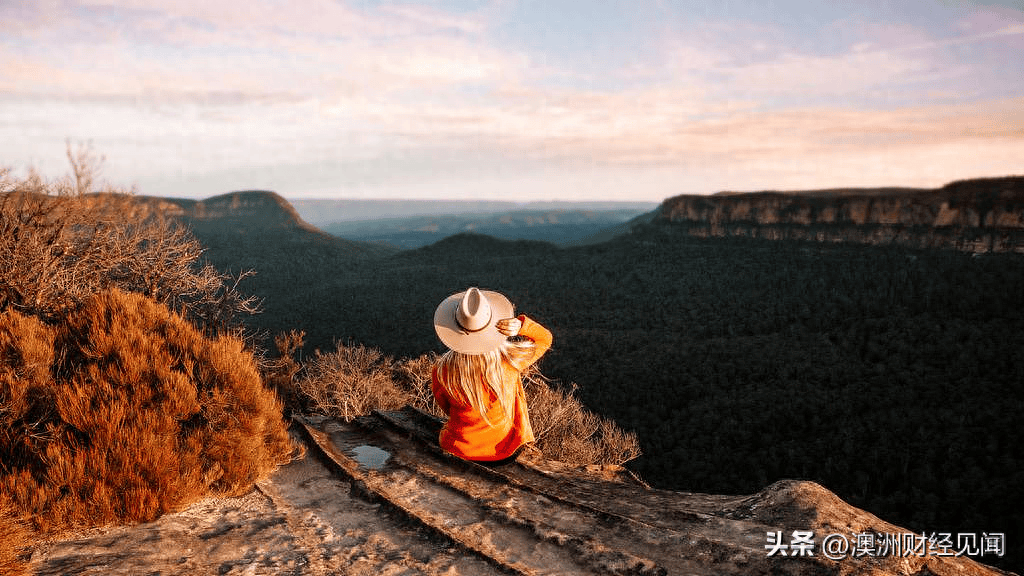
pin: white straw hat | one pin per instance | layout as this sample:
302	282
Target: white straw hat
465	322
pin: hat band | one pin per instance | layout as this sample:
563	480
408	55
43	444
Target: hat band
467	330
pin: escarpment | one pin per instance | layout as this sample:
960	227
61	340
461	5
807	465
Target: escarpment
981	215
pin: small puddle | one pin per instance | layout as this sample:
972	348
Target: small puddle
371	457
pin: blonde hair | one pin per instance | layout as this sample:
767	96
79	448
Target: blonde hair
464	376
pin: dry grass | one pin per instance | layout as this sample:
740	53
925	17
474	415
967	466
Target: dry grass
124	411
63	240
413	376
566	431
281	373
14	537
354	380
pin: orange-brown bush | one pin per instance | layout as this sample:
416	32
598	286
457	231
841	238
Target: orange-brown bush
62	241
14	537
123	411
354	380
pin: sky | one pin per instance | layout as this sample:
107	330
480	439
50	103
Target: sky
518	100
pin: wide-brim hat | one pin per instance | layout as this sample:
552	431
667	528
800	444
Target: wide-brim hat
466	321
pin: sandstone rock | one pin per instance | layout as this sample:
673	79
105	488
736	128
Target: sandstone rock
975	215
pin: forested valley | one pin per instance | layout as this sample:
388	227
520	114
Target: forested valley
890	375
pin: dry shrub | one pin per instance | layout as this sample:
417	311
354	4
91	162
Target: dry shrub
354	380
281	373
566	431
413	376
351	381
14	537
62	241
124	411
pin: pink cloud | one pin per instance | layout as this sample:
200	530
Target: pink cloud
425	17
257	47
313	18
843	74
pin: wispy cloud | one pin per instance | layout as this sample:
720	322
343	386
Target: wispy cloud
188	88
863	59
843	74
186	45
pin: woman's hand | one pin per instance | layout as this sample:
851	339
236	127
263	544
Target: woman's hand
509	326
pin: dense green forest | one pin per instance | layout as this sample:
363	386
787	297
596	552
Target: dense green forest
892	376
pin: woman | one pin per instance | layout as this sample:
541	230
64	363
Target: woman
477	381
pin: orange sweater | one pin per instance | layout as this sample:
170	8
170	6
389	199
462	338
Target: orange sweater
467	434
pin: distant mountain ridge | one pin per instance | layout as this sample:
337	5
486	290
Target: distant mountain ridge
254	217
267	208
976	215
979	215
256	213
324	211
562	227
261	208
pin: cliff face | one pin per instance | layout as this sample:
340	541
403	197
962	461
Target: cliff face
980	215
242	222
254	209
262	209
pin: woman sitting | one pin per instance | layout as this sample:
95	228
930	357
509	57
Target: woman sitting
477	381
